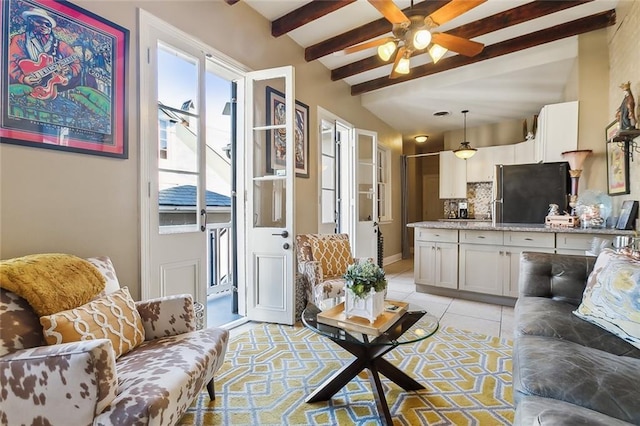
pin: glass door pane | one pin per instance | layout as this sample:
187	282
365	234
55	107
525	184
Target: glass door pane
178	140
269	154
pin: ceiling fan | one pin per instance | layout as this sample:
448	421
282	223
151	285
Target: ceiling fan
415	33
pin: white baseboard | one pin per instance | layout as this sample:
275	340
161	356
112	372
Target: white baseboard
392	259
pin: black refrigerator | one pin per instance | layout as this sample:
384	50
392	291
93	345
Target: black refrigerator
523	192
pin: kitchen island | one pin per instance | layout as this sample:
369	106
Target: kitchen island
479	260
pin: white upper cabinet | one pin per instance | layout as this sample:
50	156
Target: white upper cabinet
453	176
481	167
525	152
557	131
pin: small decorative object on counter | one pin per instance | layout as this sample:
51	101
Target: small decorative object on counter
554	210
561	221
365	291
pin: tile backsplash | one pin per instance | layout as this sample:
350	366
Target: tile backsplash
479	195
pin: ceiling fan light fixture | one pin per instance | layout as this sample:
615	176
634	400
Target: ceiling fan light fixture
421	39
421	138
403	66
437	52
386	50
465	150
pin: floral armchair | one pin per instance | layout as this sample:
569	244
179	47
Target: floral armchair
322	260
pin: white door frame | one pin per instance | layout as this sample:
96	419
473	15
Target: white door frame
226	67
345	186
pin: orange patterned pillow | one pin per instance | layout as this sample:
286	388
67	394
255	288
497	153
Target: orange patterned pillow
334	256
112	317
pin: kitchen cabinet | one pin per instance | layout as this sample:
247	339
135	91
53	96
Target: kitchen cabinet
481	167
453	176
567	243
490	260
557	131
525	152
436	257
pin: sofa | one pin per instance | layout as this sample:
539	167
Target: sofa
570	369
148	374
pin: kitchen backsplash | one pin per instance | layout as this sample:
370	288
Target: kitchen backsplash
479	196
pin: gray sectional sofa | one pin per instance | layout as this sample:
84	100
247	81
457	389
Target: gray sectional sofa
567	371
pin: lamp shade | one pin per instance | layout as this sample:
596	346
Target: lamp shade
421	39
386	50
437	52
576	158
465	151
403	66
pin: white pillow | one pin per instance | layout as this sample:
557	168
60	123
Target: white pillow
611	299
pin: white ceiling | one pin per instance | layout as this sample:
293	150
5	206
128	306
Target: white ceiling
513	86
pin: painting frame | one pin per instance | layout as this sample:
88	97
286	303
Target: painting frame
617	163
78	102
276	99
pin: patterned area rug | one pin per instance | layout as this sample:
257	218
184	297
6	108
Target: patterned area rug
270	370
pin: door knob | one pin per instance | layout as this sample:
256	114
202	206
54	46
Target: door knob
283	234
286	246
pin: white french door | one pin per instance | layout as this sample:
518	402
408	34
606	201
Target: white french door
272	129
365	209
174	257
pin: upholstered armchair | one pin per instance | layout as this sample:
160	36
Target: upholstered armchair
65	368
322	260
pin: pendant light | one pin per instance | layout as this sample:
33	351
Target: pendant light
465	151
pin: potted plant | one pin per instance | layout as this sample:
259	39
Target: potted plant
365	290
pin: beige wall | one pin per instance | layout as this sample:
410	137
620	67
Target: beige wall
624	65
90	204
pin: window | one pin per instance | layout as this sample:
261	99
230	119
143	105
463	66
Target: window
384	184
163	138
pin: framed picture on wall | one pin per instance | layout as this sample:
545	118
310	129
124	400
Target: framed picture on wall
277	146
617	166
65	82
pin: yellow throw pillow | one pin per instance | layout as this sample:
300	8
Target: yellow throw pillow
112	317
334	256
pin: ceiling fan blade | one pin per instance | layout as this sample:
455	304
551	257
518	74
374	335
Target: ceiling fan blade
457	44
366	45
399	56
390	11
453	9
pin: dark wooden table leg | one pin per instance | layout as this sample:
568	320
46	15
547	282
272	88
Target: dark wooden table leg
337	381
396	375
378	395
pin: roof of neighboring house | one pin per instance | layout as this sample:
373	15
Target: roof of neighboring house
185	195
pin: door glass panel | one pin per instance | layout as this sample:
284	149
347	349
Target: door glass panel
329	195
178	138
176	198
270	153
366	173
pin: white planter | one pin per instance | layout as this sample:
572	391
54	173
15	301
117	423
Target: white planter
369	307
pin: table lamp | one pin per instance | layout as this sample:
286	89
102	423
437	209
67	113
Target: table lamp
576	160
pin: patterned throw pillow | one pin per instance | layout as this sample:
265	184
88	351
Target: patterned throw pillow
611	299
334	256
112	317
104	265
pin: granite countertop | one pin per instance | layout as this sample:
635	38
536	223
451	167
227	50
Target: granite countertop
526	227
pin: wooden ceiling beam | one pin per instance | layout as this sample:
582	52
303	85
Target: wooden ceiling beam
569	29
366	32
495	22
305	14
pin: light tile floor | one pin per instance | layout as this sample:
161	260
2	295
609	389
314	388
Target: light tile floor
484	318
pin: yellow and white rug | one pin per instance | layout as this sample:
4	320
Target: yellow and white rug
271	369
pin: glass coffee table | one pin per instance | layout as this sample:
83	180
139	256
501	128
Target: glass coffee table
411	327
